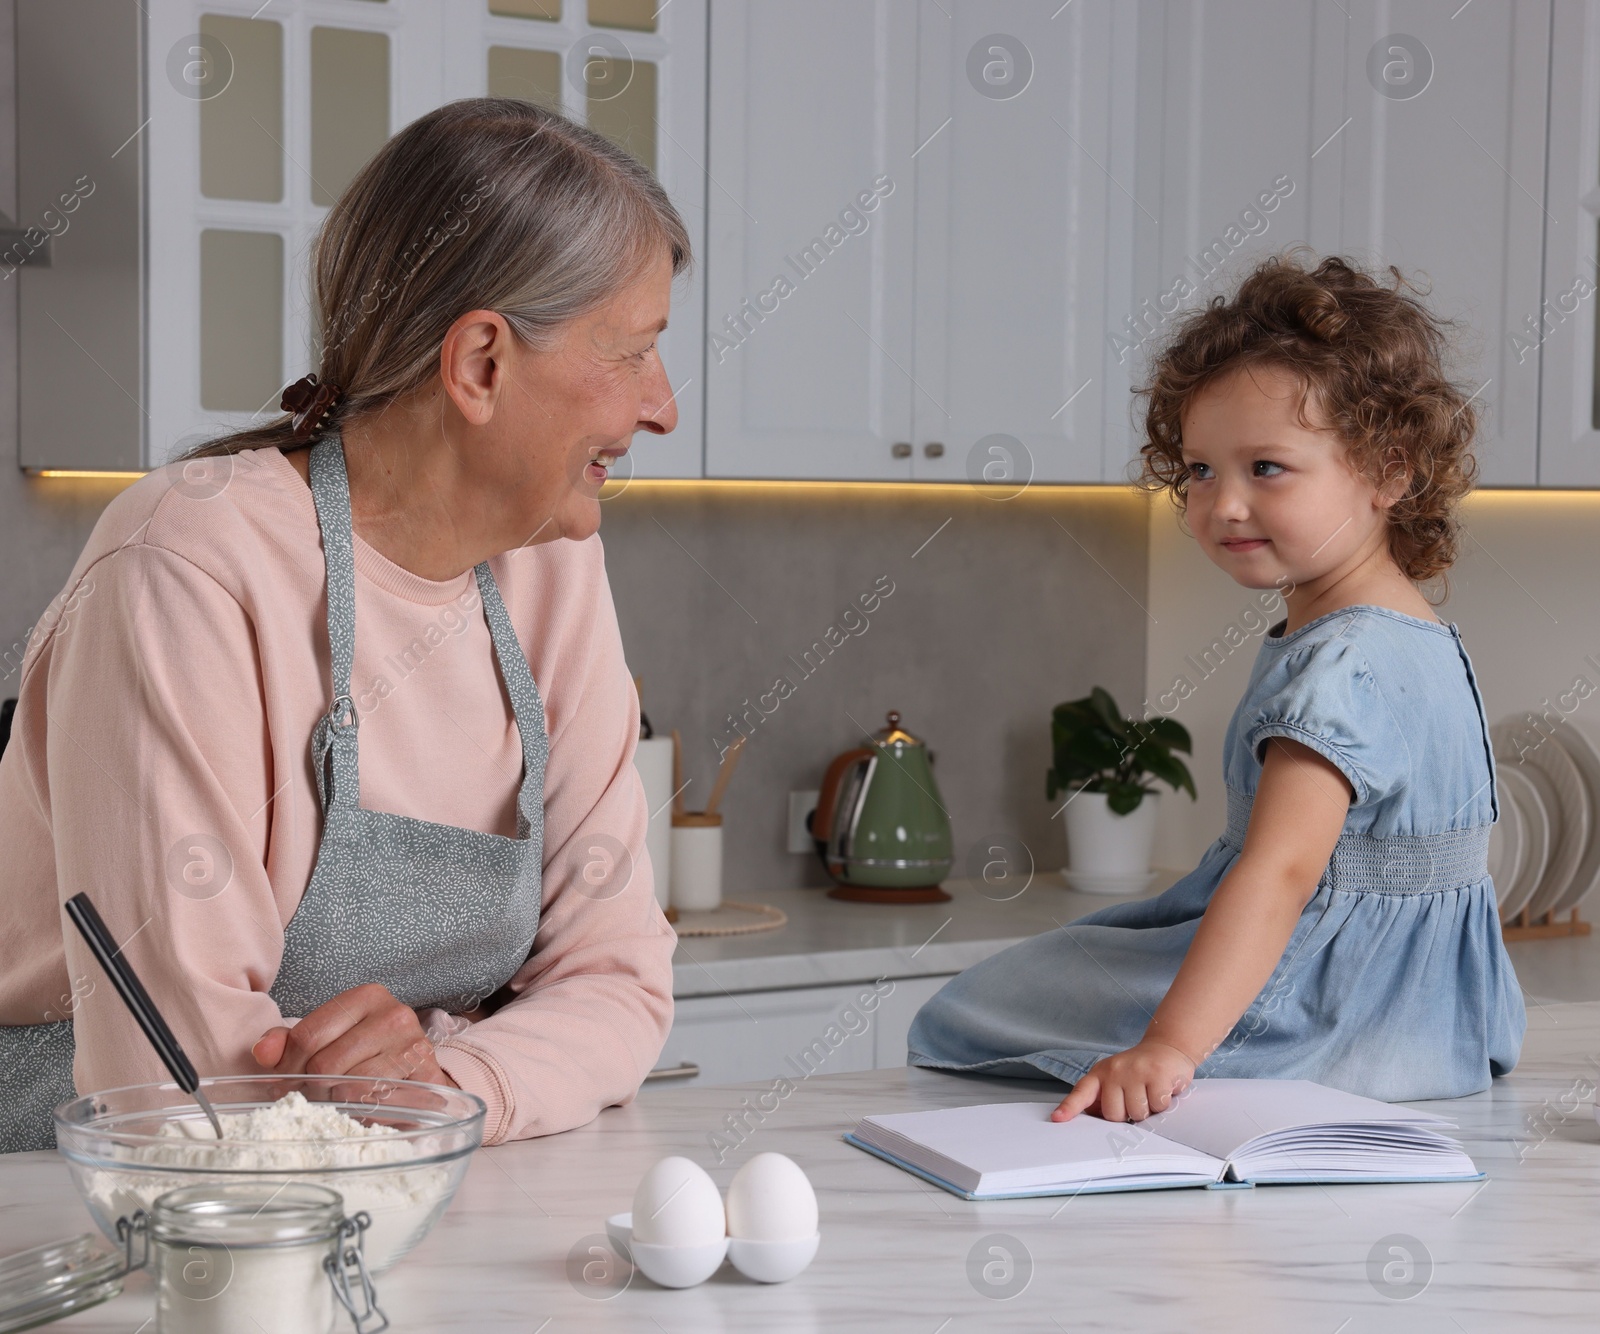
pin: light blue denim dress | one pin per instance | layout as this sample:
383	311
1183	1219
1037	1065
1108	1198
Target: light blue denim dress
1395	982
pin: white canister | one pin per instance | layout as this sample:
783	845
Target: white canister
696	861
653	760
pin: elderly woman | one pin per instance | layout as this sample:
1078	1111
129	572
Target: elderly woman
334	725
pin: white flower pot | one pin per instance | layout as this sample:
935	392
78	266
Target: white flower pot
1109	853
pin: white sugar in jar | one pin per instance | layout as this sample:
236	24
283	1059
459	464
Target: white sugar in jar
249	1255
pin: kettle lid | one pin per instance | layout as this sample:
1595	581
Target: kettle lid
894	732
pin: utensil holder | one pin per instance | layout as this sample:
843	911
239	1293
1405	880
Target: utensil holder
696	861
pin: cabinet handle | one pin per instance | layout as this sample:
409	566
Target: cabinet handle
688	1070
901	449
933	449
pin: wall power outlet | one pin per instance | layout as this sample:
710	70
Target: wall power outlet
801	804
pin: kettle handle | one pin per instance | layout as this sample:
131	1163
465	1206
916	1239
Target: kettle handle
822	822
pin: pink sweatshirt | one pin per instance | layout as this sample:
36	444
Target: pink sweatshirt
160	759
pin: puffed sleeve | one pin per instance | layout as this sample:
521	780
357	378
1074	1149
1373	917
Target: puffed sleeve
1327	697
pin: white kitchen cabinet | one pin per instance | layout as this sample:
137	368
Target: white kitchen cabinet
895	1014
1393	133
957	332
1564	327
1237	96
201	143
635	70
1441	172
810	219
793	1033
1024	210
936	239
1232	98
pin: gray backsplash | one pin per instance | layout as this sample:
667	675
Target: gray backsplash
1014	606
1011	608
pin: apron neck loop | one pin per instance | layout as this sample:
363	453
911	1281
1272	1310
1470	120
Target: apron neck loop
525	703
334	742
336	730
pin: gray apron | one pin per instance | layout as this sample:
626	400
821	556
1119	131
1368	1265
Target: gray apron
440	916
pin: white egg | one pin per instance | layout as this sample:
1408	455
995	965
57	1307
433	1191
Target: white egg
770	1199
678	1204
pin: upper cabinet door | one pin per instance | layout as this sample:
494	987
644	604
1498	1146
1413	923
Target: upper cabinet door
1024	202
1563	328
634	70
1442	174
214	136
81	399
809	313
1236	100
258	118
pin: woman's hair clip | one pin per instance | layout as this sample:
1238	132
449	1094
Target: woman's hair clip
311	404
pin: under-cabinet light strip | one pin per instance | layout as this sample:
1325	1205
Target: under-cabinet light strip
613	489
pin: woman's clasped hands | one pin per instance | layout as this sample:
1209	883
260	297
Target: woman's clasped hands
363	1031
1131	1085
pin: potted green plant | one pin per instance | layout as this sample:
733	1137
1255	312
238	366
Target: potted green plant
1104	759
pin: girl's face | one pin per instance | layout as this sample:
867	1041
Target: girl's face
569	407
1270	501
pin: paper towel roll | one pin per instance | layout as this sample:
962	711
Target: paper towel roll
653	760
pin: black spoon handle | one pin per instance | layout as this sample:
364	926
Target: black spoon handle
135	997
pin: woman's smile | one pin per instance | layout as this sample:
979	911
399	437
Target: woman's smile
598	469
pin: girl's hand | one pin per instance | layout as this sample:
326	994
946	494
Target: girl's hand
1130	1085
363	1031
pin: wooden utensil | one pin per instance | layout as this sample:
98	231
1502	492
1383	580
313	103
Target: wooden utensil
677	773
730	759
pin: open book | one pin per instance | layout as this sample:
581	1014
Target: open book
1219	1132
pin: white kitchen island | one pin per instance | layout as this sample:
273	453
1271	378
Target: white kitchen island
1516	1253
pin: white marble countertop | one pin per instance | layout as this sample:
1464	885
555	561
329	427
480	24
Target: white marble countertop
828	941
1514	1253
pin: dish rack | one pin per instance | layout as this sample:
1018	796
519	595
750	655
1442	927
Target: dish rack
1544	850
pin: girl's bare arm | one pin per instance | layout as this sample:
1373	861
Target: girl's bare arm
1298	814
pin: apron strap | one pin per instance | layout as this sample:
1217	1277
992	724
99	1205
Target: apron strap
335	734
525	704
334	743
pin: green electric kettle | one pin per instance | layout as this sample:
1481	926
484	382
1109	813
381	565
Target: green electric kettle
880	826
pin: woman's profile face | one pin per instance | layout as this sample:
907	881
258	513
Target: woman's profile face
567	409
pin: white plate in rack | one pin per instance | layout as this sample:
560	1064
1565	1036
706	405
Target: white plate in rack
1518	789
1581	740
1508	847
1566	801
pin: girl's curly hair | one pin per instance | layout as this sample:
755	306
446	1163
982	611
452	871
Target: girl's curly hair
1372	356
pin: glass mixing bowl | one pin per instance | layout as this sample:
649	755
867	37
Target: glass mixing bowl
126	1146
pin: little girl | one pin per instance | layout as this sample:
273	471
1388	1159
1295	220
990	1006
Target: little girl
1344	928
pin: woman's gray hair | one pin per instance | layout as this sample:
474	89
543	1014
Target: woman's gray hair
487	203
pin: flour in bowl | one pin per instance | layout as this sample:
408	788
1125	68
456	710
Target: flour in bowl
293	1133
299	1140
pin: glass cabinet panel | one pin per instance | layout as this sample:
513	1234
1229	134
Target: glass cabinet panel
349	106
533	76
527	9
622	104
241	319
639	15
241	127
